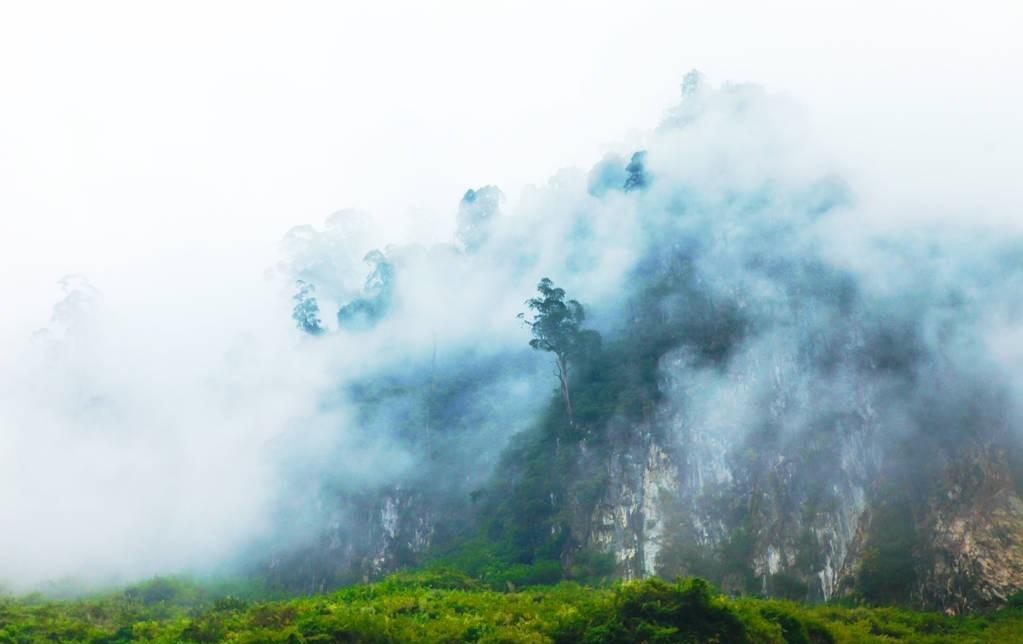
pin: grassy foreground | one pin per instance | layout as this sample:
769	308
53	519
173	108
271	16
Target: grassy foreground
440	606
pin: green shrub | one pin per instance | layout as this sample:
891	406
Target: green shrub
445	605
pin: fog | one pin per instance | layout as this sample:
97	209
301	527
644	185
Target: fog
167	179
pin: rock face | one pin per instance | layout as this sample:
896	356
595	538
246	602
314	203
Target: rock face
377	533
794	513
629	520
973	555
793	518
767	516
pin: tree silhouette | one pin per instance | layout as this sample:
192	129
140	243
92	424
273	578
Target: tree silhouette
557	328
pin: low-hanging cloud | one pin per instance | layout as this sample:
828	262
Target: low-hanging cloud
168	435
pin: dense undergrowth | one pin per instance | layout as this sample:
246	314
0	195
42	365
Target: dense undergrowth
446	606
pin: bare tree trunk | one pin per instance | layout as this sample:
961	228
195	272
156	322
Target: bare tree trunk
563	376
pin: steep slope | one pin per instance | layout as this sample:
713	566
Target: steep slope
784	400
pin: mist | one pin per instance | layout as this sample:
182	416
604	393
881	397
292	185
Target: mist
230	369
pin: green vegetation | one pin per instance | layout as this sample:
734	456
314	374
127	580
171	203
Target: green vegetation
441	605
887	574
550	474
556	328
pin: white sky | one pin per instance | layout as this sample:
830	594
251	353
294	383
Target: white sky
136	134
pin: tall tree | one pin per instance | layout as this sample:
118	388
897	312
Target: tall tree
557	328
307	312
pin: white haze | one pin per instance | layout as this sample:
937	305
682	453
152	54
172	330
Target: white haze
163	153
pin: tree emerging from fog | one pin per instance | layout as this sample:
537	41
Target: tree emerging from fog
557	328
307	311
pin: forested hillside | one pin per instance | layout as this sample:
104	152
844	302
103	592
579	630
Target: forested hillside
708	357
705	357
